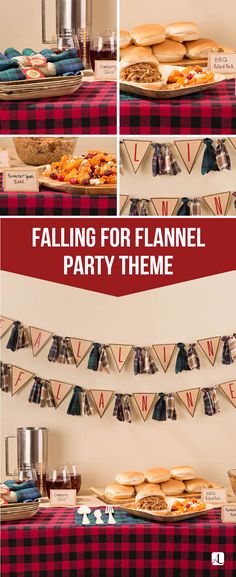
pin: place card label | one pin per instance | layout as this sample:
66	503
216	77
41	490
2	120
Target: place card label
222	63
106	70
228	513
63	497
21	180
4	159
214	496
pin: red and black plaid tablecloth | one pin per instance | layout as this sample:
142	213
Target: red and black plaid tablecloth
209	112
91	110
51	545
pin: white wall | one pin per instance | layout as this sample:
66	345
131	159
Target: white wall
185	312
216	20
144	185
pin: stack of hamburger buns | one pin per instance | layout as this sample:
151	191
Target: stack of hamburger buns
171	43
158	481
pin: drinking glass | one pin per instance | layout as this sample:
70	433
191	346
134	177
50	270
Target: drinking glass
58	477
232	478
75	477
103	47
25	474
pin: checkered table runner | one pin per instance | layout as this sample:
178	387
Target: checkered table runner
51	545
209	112
91	110
48	203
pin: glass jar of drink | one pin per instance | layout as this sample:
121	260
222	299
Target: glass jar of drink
103	47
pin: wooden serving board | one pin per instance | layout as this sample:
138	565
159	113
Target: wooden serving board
188	62
166	518
101	495
67	188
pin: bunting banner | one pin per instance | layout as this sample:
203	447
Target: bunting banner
60	391
233	142
189	398
188	150
164	354
101	400
229	390
39	339
144	402
80	348
210	348
218	203
165	206
5	325
20	377
123	200
120	354
136	150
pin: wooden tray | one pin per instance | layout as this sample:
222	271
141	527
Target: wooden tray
169	518
66	187
42	88
101	495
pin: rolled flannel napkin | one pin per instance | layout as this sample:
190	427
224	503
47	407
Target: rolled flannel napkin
209	157
150	367
226	354
72	66
66	352
5	383
159	413
11	53
65	55
118	410
232	347
134	210
184	209
222	156
193	358
18	487
127	409
195	207
19	338
182	359
55	349
144	207
170	407
2	56
86	404
8	64
138	361
103	364
12	75
24	495
94	357
74	407
29	52
210	400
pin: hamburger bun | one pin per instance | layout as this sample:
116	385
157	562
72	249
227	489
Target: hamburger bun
182	31
223	48
183	473
137	55
148	34
196	485
117	492
125	38
200	48
169	51
130	478
149	491
157	475
126	51
144	485
172	487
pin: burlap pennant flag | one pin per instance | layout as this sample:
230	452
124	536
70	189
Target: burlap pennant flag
229	389
164	354
189	398
5	325
136	150
123	200
188	150
39	339
210	348
101	400
120	354
218	203
165	206
233	142
19	378
60	391
80	348
144	403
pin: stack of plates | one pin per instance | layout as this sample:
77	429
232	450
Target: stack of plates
42	88
17	511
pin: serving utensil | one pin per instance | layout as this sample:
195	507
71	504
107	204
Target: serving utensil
85	511
98	516
109	511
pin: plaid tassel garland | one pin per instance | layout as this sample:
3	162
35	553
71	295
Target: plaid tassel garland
74	407
86	404
35	393
184	209
193	358
46	396
170	407
118	410
163	161
182	359
13	339
226	354
210	400
103	364
157	160
5	384
66	352
138	361
195	207
134	210
143	207
127	409
159	413
232	347
23	338
94	357
209	157
222	156
55	349
150	367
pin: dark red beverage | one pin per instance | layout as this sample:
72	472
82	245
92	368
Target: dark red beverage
76	482
105	54
58	484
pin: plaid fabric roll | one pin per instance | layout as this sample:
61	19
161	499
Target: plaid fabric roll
86	404
5	383
226	354
170	407
103	364
27	495
30	484
150	367
53	57
12	75
94	357
209	157
2	56
35	393
138	361
170	165
74	407
28	52
127	409
63	67
159	413
13	339
184	209
8	64
232	347
23	337
11	53
118	410
66	353
46	397
55	349
195	207
157	160
222	156
134	209
143	207
193	358
182	359
210	400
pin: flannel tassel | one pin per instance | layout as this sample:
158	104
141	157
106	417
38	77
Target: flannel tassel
222	156
182	359
195	207
5	384
35	393
157	160
138	361
170	407
232	347
159	413
210	400
226	354
209	157
134	211
86	404
46	397
184	209
193	358
66	353
143	207
74	407
55	349
18	338
127	409
94	357
118	410
103	364
170	165
150	367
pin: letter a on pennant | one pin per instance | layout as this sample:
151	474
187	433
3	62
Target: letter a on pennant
189	399
39	339
19	378
164	354
144	403
60	391
101	400
229	389
210	348
120	354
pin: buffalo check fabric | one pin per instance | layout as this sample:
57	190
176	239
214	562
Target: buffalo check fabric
210	112
91	110
51	545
